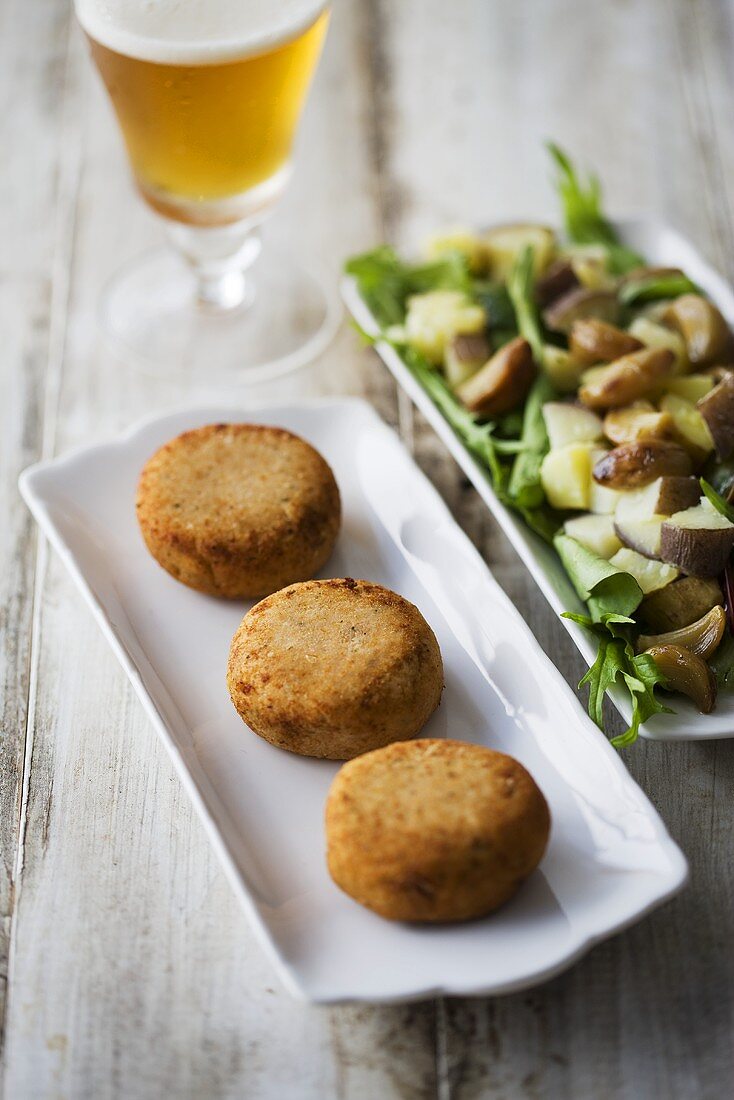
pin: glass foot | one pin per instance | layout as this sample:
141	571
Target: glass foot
262	322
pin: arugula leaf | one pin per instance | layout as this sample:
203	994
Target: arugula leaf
510	424
641	676
652	288
497	305
520	287
543	520
716	499
616	660
477	436
721	476
602	675
451	272
525	487
584	219
607	591
480	438
385	282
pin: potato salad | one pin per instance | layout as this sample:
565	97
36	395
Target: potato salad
598	393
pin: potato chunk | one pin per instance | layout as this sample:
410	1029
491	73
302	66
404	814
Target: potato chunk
504	243
433	318
565	475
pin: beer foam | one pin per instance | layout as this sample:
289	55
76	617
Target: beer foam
195	32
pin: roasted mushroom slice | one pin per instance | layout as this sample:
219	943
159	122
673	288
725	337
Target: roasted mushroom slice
578	303
702	326
503	383
702	637
640	420
465	353
633	465
698	540
686	673
594	341
717	409
626	379
681	603
559	278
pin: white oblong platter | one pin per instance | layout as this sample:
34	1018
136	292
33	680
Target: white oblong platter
662	246
610	859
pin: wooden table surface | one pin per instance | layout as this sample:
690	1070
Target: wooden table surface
126	966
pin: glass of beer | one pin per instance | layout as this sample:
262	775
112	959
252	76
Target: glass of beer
208	95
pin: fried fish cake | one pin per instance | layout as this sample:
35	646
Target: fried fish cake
238	510
334	668
433	830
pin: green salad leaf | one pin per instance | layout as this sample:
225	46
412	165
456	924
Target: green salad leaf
521	290
497	305
652	288
717	500
606	590
611	596
641	676
477	436
584	219
524	486
385	282
616	661
482	439
720	475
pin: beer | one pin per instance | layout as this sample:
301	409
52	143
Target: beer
208	94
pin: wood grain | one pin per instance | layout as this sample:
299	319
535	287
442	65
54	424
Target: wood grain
132	971
37	203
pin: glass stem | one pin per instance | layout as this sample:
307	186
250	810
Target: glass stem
219	258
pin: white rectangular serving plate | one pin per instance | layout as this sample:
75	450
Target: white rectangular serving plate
662	246
610	859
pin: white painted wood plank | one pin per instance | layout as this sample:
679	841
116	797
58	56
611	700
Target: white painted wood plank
133	972
36	204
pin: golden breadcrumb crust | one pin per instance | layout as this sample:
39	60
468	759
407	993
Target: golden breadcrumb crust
334	668
238	510
434	830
